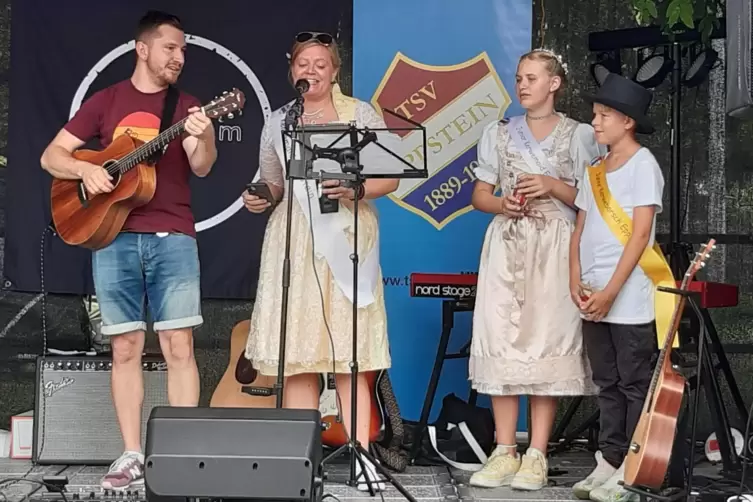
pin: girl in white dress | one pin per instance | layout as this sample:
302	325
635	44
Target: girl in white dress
526	330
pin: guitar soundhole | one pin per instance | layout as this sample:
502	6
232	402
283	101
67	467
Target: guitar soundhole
112	171
245	373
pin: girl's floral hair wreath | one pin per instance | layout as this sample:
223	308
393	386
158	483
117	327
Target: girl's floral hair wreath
553	54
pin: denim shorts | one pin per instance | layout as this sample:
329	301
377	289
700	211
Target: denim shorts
155	271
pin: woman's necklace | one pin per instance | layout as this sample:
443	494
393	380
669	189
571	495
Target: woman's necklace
540	117
314	116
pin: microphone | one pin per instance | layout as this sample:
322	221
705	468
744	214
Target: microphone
302	86
296	110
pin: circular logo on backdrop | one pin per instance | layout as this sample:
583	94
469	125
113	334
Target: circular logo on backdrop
146	125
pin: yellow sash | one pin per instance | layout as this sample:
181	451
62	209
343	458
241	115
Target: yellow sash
652	261
345	106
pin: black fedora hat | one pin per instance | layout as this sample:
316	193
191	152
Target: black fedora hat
626	97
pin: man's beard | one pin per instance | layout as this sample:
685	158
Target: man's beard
165	75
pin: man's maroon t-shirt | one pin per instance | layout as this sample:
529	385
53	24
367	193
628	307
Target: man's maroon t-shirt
122	108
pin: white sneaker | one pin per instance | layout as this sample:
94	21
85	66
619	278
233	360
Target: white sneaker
533	473
499	470
612	490
126	472
599	476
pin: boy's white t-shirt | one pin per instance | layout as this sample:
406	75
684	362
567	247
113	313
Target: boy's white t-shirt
639	182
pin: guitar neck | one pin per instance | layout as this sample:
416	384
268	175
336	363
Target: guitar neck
666	349
147	150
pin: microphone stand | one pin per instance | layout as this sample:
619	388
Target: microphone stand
292	117
349	160
351	173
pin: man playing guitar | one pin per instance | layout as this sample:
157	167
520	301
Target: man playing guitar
154	259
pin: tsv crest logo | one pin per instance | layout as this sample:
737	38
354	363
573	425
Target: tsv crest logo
454	103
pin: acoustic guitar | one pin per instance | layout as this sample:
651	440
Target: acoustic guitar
650	450
241	373
93	222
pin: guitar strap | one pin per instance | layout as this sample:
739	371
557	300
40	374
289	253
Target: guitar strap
168	111
171	101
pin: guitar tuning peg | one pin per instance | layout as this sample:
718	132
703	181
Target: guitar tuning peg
703	264
240	112
224	92
230	116
221	119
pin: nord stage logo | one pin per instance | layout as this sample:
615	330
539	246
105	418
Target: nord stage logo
454	103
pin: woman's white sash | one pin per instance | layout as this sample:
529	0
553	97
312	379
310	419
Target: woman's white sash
535	157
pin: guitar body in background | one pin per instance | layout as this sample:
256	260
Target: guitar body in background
335	434
240	372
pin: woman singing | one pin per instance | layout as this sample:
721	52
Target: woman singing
319	325
526	331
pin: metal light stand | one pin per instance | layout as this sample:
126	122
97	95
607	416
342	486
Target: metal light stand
352	174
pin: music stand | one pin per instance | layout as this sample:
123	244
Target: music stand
337	149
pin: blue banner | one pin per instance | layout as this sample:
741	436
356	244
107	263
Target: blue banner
450	66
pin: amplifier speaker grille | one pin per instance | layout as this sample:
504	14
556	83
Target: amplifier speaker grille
74	418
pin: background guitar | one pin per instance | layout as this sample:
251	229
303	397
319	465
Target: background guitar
650	451
240	373
94	222
334	435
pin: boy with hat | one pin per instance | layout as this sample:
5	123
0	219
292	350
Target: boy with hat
618	201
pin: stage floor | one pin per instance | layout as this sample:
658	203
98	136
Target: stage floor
425	483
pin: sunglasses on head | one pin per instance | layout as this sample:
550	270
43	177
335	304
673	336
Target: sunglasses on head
322	38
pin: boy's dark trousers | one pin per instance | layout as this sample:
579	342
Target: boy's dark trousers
622	358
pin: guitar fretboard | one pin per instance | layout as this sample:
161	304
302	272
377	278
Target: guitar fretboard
147	150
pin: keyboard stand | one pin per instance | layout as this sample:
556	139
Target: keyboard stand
449	309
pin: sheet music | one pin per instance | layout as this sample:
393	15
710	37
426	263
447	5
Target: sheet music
373	158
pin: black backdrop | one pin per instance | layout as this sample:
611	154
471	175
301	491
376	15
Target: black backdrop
56	45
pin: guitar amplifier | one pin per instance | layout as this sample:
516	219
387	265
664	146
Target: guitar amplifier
739	60
74	417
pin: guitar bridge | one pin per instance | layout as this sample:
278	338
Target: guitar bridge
258	391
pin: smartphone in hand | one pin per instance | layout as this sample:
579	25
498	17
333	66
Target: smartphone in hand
260	189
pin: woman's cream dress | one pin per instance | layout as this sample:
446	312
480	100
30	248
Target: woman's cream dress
308	347
526	330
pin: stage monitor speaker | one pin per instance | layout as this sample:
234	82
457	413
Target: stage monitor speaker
74	418
739	59
234	453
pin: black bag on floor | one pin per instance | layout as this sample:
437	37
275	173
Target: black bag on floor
462	436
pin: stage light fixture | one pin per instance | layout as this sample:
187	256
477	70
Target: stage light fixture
606	63
700	68
653	70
